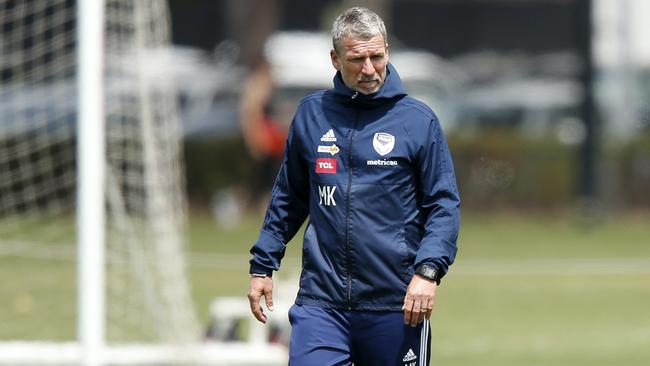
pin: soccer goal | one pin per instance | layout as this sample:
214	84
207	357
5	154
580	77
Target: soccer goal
89	155
92	211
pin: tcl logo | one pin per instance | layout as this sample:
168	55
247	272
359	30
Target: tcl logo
326	165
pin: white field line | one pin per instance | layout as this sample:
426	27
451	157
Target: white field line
469	267
33	250
208	353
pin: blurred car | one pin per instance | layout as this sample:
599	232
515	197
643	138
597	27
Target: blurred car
208	87
533	95
530	106
27	110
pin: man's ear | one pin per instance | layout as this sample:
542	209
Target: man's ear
335	59
387	53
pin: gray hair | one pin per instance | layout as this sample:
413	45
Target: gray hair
357	22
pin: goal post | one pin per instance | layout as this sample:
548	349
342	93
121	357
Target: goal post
91	179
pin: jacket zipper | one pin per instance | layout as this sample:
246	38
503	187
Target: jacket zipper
347	207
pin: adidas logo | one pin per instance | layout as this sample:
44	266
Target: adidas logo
328	136
410	356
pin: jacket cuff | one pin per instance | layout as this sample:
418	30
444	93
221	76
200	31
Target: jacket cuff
258	269
267	253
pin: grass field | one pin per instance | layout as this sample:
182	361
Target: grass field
531	290
526	290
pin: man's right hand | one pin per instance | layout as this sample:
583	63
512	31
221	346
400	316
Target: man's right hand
260	286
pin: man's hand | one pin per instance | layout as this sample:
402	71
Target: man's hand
419	299
260	286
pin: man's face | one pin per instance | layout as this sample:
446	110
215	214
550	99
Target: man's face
362	63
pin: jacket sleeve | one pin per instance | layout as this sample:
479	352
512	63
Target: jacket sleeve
288	208
440	201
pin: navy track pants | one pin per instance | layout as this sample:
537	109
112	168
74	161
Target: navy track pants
331	337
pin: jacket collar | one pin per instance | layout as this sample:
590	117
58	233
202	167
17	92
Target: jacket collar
392	88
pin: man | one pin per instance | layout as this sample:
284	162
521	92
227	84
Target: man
370	167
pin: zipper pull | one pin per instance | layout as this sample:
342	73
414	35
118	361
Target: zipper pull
354	96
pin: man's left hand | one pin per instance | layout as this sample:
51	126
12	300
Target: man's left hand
419	299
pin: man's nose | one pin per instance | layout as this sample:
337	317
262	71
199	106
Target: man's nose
368	68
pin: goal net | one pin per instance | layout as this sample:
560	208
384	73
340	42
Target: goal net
147	294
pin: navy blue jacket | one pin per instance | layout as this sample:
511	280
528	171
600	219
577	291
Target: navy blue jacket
374	175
